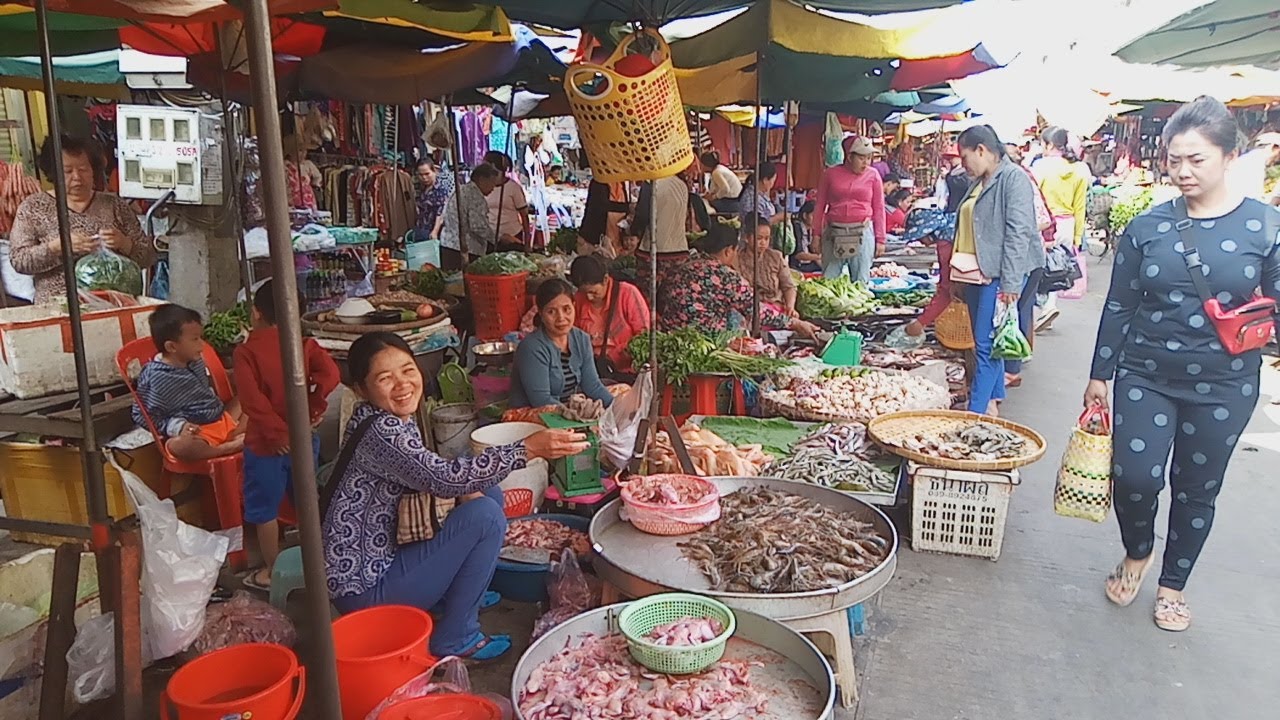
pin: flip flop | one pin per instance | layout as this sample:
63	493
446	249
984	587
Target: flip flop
1172	615
490	599
487	649
252	582
1130	583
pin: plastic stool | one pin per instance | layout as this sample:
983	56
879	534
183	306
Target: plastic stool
286	576
831	634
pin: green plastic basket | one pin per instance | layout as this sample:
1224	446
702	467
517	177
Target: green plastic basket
642	616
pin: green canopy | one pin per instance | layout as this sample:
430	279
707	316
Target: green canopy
92	75
68	34
579	13
1225	32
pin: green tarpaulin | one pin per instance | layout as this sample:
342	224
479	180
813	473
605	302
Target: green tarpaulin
68	34
578	13
1225	32
93	74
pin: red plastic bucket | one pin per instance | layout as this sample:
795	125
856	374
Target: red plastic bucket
443	707
378	650
257	680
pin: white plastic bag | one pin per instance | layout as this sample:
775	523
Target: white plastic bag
621	421
447	676
103	269
180	566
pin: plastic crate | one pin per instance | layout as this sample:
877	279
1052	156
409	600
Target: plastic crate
44	482
959	512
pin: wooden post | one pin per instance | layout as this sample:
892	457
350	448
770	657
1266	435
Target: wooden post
128	625
62	631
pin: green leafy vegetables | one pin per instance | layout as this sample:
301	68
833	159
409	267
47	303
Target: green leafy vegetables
688	351
564	241
430	283
833	298
106	270
1130	201
503	263
225	329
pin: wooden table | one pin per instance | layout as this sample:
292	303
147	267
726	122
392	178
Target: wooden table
59	415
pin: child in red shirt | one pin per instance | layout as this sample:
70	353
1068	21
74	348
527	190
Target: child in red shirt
268	471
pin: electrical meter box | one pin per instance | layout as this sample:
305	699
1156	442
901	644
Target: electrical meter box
159	150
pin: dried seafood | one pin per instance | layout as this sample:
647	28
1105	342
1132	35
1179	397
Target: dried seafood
546	535
669	489
978	441
821	466
769	541
686	632
581	408
596	679
859	394
710	453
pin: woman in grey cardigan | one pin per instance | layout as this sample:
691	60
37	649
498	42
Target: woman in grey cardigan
555	361
998	221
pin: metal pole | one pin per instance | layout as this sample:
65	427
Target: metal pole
508	150
324	700
755	192
786	164
231	185
456	154
90	454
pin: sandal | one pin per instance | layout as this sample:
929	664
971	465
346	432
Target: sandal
1130	583
487	648
253	582
1172	615
490	599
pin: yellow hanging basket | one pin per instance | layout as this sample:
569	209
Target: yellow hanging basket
632	127
954	328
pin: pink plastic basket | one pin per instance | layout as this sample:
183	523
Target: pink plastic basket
672	518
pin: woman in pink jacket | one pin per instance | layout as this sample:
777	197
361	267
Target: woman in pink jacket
850	215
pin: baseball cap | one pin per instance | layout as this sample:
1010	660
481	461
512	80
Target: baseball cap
858	146
1268	138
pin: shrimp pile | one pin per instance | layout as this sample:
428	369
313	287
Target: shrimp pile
686	632
546	535
597	680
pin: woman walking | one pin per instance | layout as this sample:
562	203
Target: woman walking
1176	384
850	214
997	247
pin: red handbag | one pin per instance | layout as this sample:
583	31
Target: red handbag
1240	329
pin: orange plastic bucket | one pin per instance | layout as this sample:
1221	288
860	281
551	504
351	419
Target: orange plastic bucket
257	680
443	707
378	650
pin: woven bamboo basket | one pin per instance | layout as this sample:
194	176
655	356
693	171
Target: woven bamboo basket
954	328
893	429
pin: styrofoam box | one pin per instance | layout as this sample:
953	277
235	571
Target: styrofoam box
36	356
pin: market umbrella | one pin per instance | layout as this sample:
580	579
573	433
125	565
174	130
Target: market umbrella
580	13
70	34
91	75
777	51
1225	32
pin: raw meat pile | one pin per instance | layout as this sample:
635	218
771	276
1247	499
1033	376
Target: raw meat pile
581	408
547	535
15	186
859	394
686	632
710	453
597	680
889	270
669	490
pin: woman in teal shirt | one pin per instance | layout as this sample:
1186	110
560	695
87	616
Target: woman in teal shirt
555	361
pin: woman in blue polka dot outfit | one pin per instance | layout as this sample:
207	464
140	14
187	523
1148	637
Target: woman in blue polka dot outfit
1175	385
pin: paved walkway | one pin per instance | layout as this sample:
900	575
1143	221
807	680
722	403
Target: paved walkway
1032	636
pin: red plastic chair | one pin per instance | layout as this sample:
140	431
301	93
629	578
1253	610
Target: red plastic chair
225	473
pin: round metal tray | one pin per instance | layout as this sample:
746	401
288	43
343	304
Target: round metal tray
638	564
796	677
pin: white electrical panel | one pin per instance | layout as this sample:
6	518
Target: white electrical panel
159	150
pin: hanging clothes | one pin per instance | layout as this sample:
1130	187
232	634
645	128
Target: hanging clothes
499	135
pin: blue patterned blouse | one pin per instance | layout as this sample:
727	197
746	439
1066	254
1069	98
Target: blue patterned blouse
391	460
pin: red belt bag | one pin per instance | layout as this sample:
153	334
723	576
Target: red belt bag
1240	329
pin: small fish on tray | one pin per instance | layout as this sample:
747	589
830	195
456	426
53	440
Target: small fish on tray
977	441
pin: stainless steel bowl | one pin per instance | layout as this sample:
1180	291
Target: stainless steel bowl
495	353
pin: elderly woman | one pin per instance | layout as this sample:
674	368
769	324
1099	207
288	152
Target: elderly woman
764	267
610	312
555	361
383	458
708	293
97	219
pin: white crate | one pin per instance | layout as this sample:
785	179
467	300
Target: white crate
36	356
959	512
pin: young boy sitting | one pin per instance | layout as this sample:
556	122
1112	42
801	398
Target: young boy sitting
268	471
178	395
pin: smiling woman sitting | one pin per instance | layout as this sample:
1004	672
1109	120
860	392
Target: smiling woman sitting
555	361
383	458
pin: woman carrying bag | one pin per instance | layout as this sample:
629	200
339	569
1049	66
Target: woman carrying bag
1184	351
997	247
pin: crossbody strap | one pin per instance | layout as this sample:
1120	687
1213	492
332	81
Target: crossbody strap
1190	253
608	316
345	456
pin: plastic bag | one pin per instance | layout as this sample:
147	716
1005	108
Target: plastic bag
1081	286
1009	342
453	678
898	339
621	421
1061	271
180	566
569	592
103	269
244	619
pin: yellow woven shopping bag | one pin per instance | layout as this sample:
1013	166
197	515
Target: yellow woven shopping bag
953	328
1083	489
631	123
